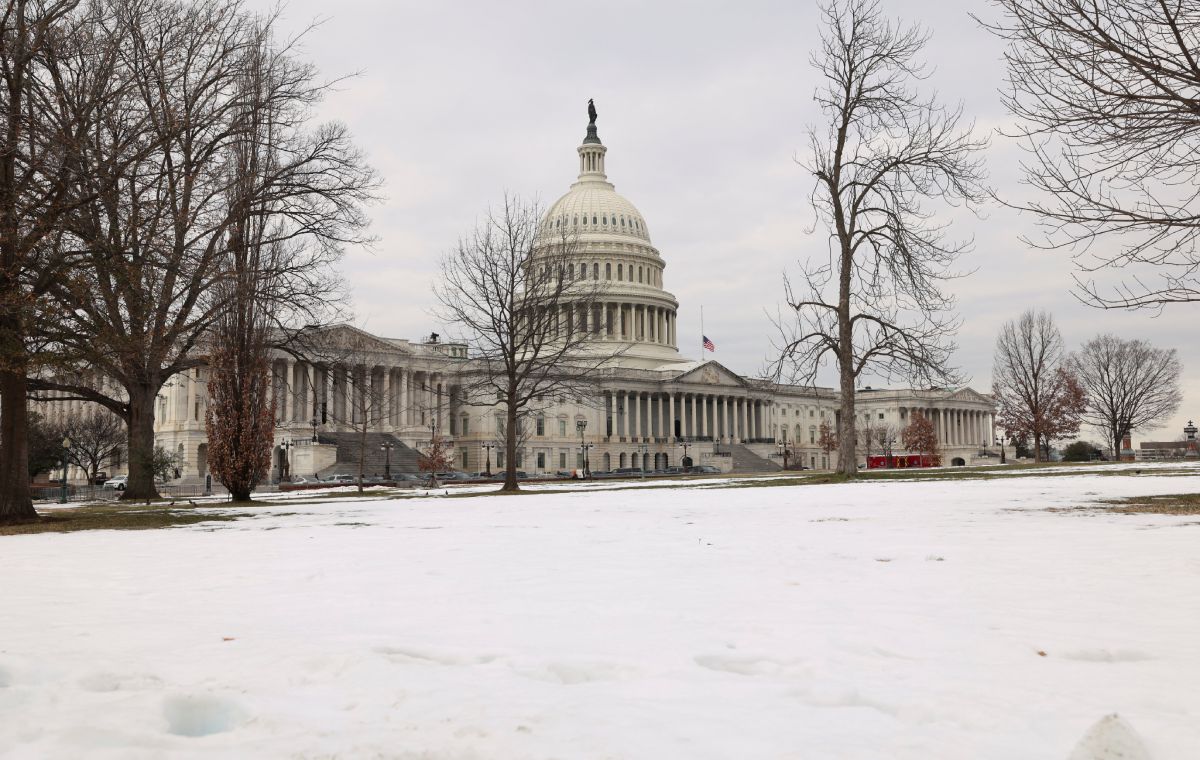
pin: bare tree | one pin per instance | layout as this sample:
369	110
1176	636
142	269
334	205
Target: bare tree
367	408
510	287
157	233
1037	395
53	73
920	435
1108	92
885	435
1130	384
878	304
96	436
828	438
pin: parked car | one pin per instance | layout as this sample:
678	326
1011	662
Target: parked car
341	478
707	468
118	483
100	479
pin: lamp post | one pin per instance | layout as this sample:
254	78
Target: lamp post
783	450
1000	443
684	445
285	468
313	422
66	444
386	447
487	447
581	426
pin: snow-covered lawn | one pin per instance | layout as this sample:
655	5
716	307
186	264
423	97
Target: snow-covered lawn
924	620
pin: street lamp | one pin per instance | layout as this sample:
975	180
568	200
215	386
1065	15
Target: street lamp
684	445
386	447
784	451
488	467
581	426
313	422
66	444
286	465
1000	443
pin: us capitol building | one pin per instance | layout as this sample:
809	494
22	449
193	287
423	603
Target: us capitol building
651	401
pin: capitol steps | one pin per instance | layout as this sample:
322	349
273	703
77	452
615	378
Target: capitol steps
403	458
745	460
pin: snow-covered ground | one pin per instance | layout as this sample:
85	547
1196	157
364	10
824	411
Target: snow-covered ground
951	619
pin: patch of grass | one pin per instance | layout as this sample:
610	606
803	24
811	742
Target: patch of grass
115	516
1171	504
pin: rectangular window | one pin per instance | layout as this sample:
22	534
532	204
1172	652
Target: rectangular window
562	460
541	460
881	415
541	426
562	428
465	425
500	459
463	455
579	460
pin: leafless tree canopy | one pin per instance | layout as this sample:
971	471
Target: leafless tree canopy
54	73
1036	395
884	157
1130	385
1108	93
509	287
210	144
96	436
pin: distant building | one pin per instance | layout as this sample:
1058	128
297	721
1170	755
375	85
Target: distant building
1186	448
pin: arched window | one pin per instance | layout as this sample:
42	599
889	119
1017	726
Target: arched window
576	220
622	221
639	274
583	271
593	218
620	270
585	219
608	271
604	219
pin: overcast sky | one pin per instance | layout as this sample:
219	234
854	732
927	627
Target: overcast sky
703	107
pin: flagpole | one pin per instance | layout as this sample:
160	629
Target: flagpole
702	332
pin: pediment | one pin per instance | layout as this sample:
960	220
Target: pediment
347	338
969	394
712	373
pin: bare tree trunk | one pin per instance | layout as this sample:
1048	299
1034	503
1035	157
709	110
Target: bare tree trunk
141	441
15	501
510	447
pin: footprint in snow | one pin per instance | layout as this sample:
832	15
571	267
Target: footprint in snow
202	714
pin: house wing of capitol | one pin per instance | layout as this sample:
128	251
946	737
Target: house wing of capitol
651	407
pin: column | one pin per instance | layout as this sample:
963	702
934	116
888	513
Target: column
405	412
385	419
637	416
191	393
670	415
703	415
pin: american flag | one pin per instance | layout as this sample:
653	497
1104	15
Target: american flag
708	344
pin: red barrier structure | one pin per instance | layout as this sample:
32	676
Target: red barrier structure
901	462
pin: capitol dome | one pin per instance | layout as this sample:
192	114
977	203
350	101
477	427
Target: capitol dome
611	243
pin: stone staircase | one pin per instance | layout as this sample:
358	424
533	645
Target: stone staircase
745	460
403	458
